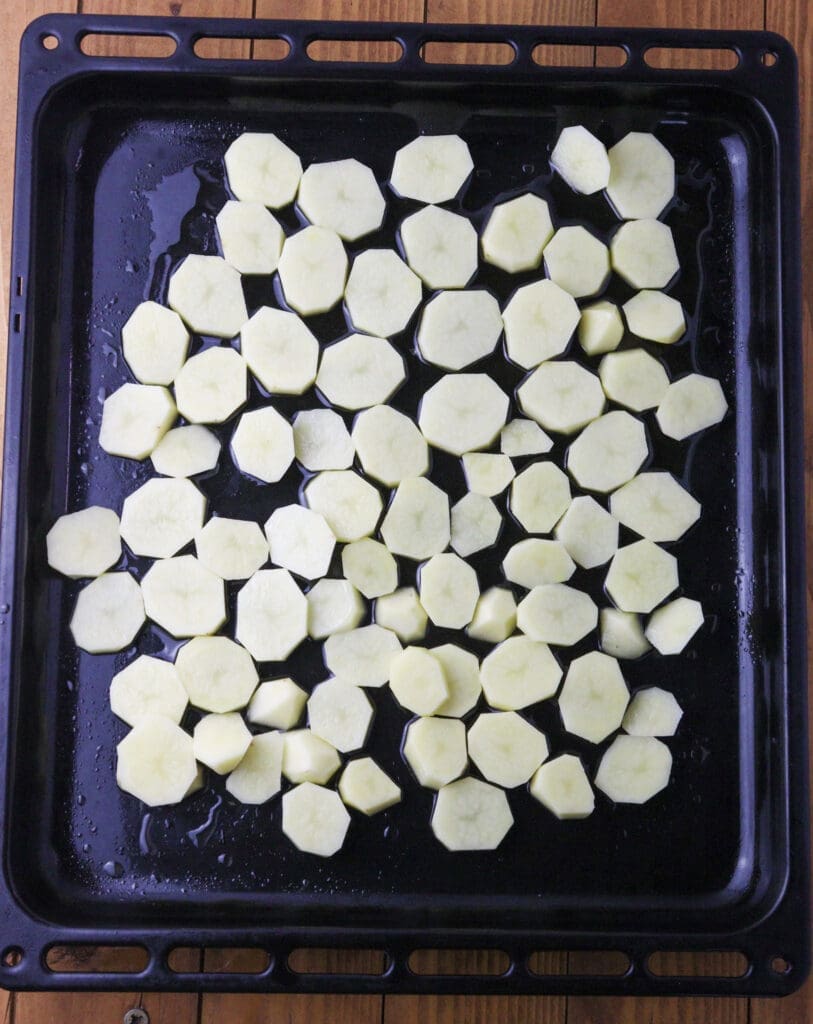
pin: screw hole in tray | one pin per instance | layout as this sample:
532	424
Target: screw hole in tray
49	42
781	965
241	48
493	54
769	58
121	44
686	58
12	956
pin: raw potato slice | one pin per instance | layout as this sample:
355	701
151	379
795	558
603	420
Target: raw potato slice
532	562
540	495
402	613
134	419
321	440
206	292
600	328
557	614
263	444
217	674
211	386
108	613
673	625
539	322
641	576
463	412
486	473
435	750
312	270
506	749
251	239
656	317
280	351
262	169
462	673
655	506
562	786
272	615
390	447
342	195
633	378
634	769
258	777
333	606
220	741
594	697
314	819
350	505
516	233
577	261
340	713
471	815
588	532
642	176
147	686
155	763
360	371
449	590
643	253
524	437
431	168
277	704
231	548
186	451
198	782
382	293
367	788
458	328
418	682
300	540
562	396
652	712
370	567
622	635
495	617
417	522
581	160
183	597
440	247
519	672
691	404
362	656
608	452
161	517
306	757
84	543
154	343
476	524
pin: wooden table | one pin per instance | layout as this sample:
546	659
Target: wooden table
793	18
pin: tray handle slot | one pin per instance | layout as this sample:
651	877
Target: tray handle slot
362	51
567	55
707	964
692	58
489	963
318	960
127	44
93	959
584	963
494	54
226	960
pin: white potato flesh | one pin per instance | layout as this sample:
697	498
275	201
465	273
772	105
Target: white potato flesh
562	786
155	762
524	437
471	815
147	686
577	261
557	614
673	625
594	697
608	452
220	741
154	342
532	562
519	672
435	750
622	634
250	237
350	505
463	412
300	540
416	524
258	777
652	712
340	713
634	769
207	294
581	160
655	506
233	549
315	819
184	597
342	195
382	293
539	320
84	543
217	674
449	590
600	328
633	378
691	404
362	656
333	606
642	176
475	524
506	748
211	386
487	473
360	371
562	396
313	270
461	670
643	253
272	615
277	704
186	451
306	757
495	617
655	316
321	440
540	496
431	168
390	447
641	576
134	419
262	444
440	247
262	169
402	612
516	233
458	328
418	681
370	567
161	517
588	532
108	613
280	351
367	788
198	782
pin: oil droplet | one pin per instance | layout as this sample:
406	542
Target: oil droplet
5	609
144	844
225	859
81	799
86	847
113	868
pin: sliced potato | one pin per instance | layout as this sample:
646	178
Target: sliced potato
258	777
342	195
581	160
577	261
418	681
634	769
440	247
471	815
506	748
263	444
186	451
321	440
458	328
656	317
306	757
588	532
211	386
206	292
367	788
652	712
539	320
402	613
622	634
155	762
217	674
495	617
532	561
333	606
463	412
314	819
633	378
641	575
435	750
562	786
516	232
340	713
431	168
461	670
540	495
134	419
594	697
643	253
562	396
147	686
417	522
220	741
370	567
262	169
524	437
673	625
84	543
154	343
691	404
600	328
161	517
519	672
557	614
312	270
362	656
449	590
108	613
277	704
382	293
360	371
280	351
608	452
655	506
390	447
350	505
475	524
272	615
250	237
642	176
233	549
184	597
487	473
300	540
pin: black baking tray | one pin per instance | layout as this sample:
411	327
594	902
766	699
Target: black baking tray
119	173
